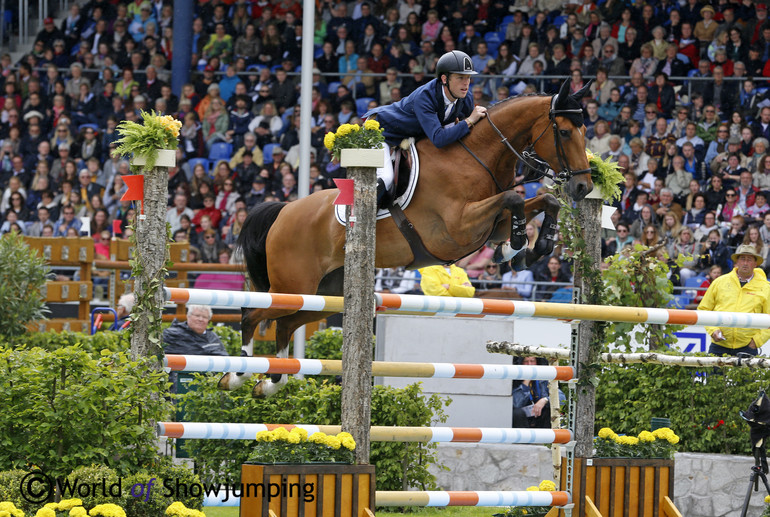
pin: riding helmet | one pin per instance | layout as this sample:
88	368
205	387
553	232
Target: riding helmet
455	62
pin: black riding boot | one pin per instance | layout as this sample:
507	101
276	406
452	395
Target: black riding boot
382	195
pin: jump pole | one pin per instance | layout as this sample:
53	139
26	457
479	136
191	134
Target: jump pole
267	365
474	308
233	431
471	498
358	322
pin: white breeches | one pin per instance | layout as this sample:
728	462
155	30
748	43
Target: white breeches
386	173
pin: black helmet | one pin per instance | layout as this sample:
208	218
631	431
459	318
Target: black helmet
455	62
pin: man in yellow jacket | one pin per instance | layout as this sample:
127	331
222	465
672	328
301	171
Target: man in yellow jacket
446	281
744	289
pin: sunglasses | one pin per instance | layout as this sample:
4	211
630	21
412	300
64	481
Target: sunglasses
729	195
622	231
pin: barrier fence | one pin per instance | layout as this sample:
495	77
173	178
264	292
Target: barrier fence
205	363
472	307
230	431
471	498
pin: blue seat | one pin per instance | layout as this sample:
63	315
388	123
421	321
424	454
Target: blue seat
267	153
492	37
561	295
333	87
685	59
492	47
195	161
532	188
507	19
695	281
275	68
559	21
362	104
221	151
318	51
680	301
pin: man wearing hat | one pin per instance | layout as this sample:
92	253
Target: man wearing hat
706	28
49	34
744	289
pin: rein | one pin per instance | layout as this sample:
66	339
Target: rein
530	159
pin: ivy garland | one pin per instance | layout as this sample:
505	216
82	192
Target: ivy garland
144	303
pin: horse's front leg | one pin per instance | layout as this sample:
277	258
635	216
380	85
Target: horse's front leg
492	213
548	230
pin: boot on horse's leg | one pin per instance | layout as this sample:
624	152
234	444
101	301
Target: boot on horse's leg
518	241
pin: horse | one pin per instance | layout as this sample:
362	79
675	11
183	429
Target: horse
462	201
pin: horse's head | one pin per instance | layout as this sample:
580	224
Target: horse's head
564	146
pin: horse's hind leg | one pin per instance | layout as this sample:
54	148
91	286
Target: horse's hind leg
250	319
548	230
285	327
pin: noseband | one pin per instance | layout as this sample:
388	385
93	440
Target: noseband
529	157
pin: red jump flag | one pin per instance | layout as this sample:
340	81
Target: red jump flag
345	197
116	227
135	184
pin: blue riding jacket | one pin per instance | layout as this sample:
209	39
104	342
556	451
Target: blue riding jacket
422	113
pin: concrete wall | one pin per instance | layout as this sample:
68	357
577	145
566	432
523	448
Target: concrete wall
705	485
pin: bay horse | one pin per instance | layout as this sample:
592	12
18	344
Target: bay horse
462	201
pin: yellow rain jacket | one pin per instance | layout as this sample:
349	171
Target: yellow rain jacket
434	276
726	294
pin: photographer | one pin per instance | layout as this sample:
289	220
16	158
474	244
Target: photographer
714	253
744	289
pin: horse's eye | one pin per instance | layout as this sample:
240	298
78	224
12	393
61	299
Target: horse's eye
564	133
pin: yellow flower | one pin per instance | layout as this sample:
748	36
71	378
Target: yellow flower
662	432
767	499
45	512
299	432
263	436
317	437
176	508
281	433
355	127
5	513
293	438
349	443
532	489
333	442
605	432
344	129
78	511
372	124
68	504
547	486
52	506
632	440
673	439
589	154
646	436
107	510
329	140
9	508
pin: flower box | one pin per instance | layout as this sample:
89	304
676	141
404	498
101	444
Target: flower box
166	158
362	158
320	490
621	487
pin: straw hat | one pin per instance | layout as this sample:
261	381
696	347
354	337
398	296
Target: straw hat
707	8
747	249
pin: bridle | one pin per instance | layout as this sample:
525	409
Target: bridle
528	157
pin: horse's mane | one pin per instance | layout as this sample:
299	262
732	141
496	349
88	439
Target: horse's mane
576	119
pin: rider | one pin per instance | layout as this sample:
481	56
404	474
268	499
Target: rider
441	109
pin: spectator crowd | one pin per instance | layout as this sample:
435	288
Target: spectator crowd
679	100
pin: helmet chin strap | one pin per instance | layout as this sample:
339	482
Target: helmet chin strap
449	90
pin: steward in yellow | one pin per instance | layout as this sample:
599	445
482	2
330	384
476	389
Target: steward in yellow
744	289
446	281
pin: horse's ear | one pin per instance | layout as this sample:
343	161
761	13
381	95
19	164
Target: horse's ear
563	92
578	95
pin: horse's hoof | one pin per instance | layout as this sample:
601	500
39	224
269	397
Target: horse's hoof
232	381
258	391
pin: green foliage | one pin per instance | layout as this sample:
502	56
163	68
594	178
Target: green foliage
145	139
93	475
325	344
10	481
606	176
63	409
309	401
638	278
695	401
231	339
23	275
648	445
91	344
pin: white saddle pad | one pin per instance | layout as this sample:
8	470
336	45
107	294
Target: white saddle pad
404	200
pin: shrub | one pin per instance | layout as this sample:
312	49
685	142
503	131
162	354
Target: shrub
702	405
63	409
22	277
325	344
312	402
95	476
92	344
10	481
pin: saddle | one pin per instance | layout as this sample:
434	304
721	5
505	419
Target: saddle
406	169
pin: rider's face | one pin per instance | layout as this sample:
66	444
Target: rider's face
459	85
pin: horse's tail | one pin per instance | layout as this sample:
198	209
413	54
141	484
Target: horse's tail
252	242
